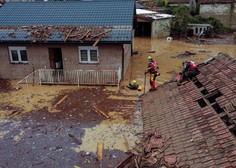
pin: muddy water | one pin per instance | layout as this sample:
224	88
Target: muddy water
165	53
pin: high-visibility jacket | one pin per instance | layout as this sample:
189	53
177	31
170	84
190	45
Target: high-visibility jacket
191	66
188	66
152	67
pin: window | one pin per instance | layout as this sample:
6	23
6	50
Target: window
18	54
88	54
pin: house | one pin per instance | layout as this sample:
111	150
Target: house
152	24
223	10
89	39
198	29
199	115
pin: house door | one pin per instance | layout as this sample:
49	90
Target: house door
55	58
143	29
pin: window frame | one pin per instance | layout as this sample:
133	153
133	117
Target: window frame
18	49
88	48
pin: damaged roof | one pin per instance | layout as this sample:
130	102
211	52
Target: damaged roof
199	115
117	15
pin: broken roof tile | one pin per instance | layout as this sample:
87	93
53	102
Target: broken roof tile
201	120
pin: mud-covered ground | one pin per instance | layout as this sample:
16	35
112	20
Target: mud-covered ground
64	131
57	126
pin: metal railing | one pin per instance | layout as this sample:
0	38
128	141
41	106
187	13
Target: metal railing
78	77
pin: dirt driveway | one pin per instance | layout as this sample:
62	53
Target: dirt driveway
60	126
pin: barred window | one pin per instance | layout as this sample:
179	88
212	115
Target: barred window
88	54
18	55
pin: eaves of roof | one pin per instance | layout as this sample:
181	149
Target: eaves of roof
199	115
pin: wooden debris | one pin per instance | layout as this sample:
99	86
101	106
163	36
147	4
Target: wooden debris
98	39
76	167
125	162
69	34
100	112
13	112
60	101
18	140
100	145
150	51
74	139
86	34
126	143
75	33
185	54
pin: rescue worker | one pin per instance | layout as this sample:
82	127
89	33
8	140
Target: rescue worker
133	85
189	70
152	70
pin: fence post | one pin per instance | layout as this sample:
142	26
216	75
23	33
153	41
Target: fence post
40	82
77	73
119	77
97	78
33	76
58	76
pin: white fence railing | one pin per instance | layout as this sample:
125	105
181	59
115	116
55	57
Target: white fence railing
78	77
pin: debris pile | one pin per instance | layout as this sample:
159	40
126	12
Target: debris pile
185	54
150	152
69	33
5	85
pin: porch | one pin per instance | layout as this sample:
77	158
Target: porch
74	77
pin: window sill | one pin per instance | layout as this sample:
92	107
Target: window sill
93	63
19	62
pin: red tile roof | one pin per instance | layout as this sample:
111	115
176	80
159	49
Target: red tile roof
199	115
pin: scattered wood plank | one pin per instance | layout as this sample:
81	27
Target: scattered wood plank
86	34
100	34
125	162
98	39
68	34
60	101
100	112
74	139
126	143
100	145
150	51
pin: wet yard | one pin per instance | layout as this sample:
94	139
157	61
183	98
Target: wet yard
61	126
64	128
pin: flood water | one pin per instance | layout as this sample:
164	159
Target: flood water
165	54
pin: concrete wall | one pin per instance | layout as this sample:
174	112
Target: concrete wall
159	28
110	57
226	13
127	57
